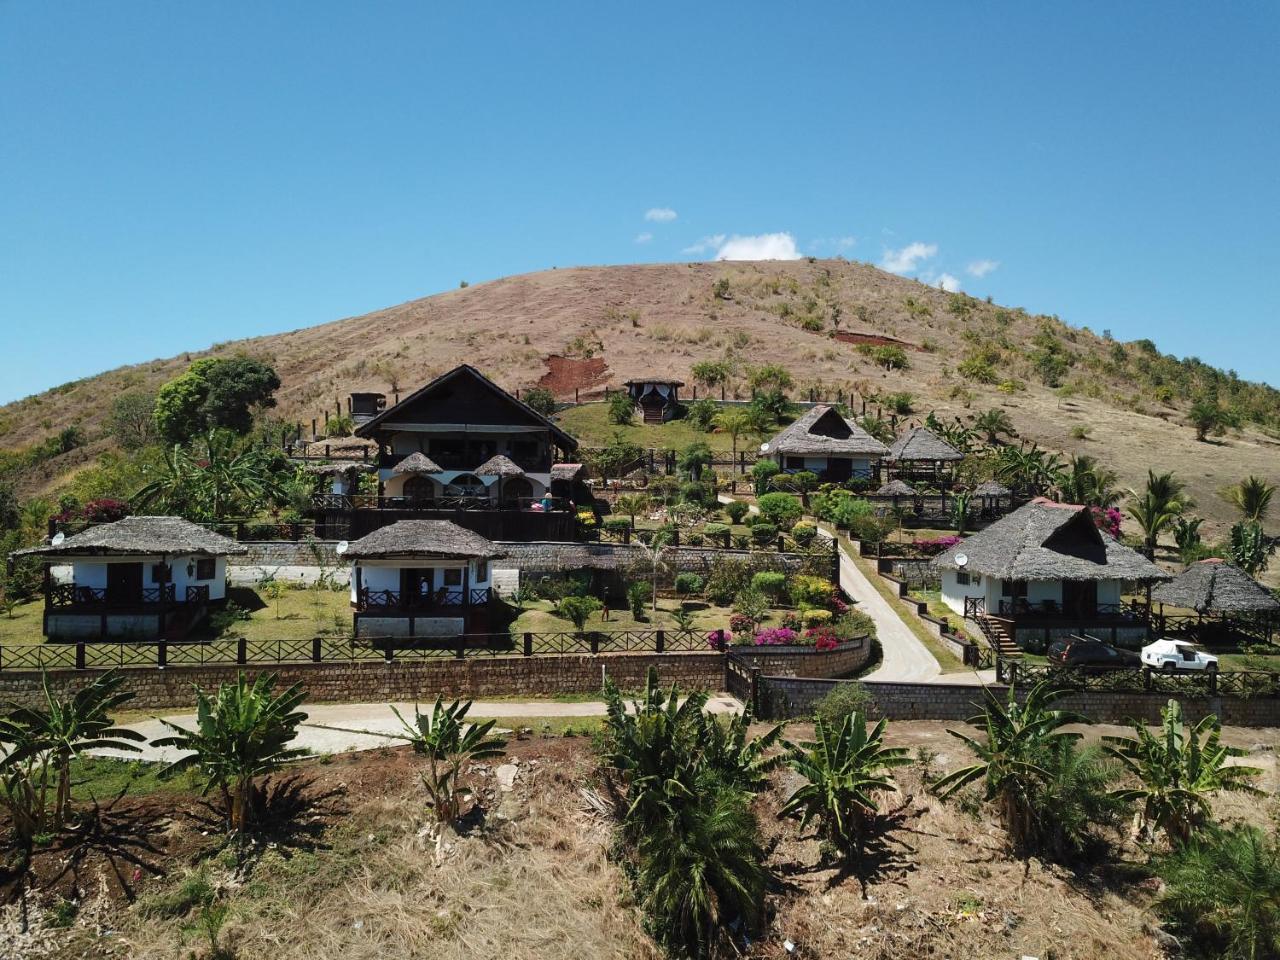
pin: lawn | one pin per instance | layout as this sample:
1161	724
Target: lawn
590	424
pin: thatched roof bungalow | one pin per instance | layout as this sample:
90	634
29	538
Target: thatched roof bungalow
825	443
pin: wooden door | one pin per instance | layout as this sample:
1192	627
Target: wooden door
1080	598
124	583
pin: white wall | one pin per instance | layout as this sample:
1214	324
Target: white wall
954	592
385	575
93	573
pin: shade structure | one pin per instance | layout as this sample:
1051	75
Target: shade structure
416	463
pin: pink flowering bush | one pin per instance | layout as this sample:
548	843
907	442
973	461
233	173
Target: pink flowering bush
719	640
1108	519
740	623
935	546
776	636
822	638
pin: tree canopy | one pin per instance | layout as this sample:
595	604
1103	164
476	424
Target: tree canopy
214	393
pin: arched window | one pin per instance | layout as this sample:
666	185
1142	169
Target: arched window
466	485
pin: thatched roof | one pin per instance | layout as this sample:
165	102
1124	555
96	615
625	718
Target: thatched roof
1215	586
896	488
422	538
991	488
142	536
340	447
823	432
565	471
665	381
340	467
922	444
1044	540
498	466
416	463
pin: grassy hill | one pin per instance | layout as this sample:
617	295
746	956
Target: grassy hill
1071	389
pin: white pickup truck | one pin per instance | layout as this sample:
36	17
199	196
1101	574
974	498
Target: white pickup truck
1172	655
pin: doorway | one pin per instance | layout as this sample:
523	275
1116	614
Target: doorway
1080	598
124	583
415	586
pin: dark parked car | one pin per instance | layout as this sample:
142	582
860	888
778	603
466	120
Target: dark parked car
1089	652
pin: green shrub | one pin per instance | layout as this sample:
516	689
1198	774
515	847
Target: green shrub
769	583
762	472
781	509
616	524
695	492
807	591
714	529
804	532
816	618
621	408
763	534
688	583
540	399
701	412
578	609
728	577
752	604
737	509
843	700
638	594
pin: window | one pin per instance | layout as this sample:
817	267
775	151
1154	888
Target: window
453	578
1014	588
962	578
159	573
482	571
795	463
206	568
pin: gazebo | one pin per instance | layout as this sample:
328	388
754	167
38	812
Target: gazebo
418	477
896	489
989	494
500	467
1223	597
922	454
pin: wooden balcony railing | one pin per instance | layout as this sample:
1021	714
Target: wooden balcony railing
440	601
67	595
346	502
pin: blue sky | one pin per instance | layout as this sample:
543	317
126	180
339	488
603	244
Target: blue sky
173	175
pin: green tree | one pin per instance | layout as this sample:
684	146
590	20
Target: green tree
214	393
622	409
780	509
712	373
770	376
1157	507
844	767
1208	417
736	422
769	407
1177	771
541	400
578	610
762	472
230	478
1087	482
1249	548
993	424
633	503
1186	534
616	458
702	413
242	732
695	458
449	742
132	421
1252	497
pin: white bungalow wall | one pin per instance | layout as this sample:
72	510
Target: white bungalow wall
393	484
991	590
385	575
93	573
861	466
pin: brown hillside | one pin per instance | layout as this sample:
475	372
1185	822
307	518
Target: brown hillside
665	317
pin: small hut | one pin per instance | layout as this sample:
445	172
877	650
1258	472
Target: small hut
416	477
420	578
512	486
922	454
1224	598
823	442
657	398
990	493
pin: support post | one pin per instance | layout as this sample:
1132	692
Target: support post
242	651
80	655
315	650
528	644
660	642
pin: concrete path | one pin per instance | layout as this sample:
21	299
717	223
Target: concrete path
347	727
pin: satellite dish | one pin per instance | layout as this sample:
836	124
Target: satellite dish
341	548
961	559
764	448
58	538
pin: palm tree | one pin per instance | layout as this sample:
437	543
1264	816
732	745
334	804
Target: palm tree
1249	547
1252	497
1156	508
845	767
1012	758
1178	770
242	732
1087	482
1029	468
994	424
736	422
61	730
1223	893
209	488
633	503
449	742
1186	534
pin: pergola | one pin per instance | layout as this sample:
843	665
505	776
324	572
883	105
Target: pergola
1223	599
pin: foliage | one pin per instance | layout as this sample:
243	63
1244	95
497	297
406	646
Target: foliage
769	582
751	603
711	373
41	742
737	509
578	610
540	400
702	413
1156	508
622	408
890	357
695	458
994	424
1086	481
449	742
242	732
844	700
1186	534
780	509
230	479
767	408
761	472
1222	893
214	393
637	596
978	369
688	583
1208	417
1252	497
844	767
726	579
1178	770
131	422
1248	547
763	534
770	376
737	423
616	457
776	636
804	533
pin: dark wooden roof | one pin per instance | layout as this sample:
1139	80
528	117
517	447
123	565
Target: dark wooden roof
486	403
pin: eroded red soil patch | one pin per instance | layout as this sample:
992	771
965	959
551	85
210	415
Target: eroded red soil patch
565	374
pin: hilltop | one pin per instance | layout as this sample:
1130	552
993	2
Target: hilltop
1068	388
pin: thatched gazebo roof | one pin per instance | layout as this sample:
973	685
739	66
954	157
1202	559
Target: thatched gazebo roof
1043	540
896	488
498	466
340	467
921	444
565	471
420	539
416	463
141	536
1215	586
823	432
991	488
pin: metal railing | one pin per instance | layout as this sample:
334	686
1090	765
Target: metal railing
1237	683
360	501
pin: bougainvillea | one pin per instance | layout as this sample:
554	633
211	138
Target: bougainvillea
719	640
822	638
775	636
1108	519
935	546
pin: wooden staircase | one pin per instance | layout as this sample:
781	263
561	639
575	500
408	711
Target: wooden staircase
998	637
652	414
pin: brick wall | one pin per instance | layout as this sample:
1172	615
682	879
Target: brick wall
796	697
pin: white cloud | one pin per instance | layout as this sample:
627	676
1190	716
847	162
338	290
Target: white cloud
765	246
706	243
906	259
980	268
660	214
947	282
644	237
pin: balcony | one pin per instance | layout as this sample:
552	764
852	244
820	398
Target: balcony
1034	625
359	501
69	597
467	462
442	602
